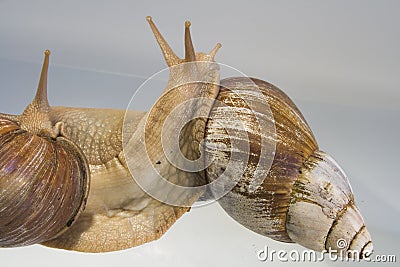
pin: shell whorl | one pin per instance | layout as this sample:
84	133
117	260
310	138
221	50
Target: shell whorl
44	186
322	214
305	197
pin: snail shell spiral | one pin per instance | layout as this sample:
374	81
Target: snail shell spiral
44	186
304	196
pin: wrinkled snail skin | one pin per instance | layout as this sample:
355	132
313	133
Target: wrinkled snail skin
287	189
118	214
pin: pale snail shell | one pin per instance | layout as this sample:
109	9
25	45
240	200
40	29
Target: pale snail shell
304	197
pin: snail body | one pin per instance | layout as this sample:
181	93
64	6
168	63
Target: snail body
241	139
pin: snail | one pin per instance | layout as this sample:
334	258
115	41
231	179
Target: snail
239	140
44	177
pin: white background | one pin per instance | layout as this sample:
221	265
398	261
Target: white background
338	60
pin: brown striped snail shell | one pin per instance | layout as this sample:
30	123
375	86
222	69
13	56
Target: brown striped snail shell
44	179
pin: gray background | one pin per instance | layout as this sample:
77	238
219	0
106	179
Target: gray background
338	60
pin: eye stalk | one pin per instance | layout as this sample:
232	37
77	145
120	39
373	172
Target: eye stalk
36	117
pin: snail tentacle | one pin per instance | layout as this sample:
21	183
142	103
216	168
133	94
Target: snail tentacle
190	55
170	57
